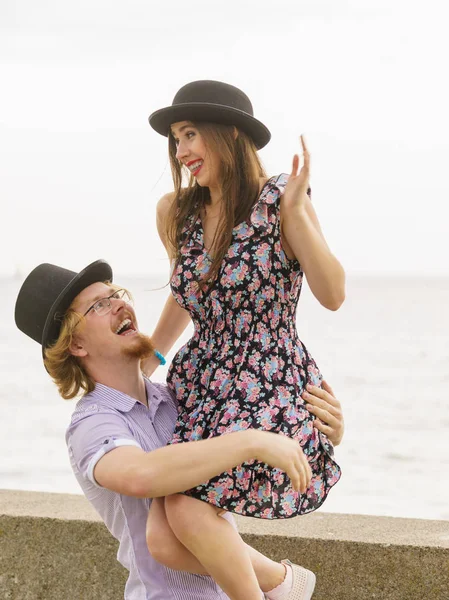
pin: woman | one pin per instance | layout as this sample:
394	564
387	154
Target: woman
239	243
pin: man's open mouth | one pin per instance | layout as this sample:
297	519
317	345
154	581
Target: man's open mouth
125	327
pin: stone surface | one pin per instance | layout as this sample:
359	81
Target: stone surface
54	546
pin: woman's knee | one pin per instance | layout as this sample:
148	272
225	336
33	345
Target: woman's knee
156	541
161	541
161	551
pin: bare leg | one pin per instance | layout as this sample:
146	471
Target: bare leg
164	546
216	545
168	550
269	573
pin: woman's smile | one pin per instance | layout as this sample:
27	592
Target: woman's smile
194	166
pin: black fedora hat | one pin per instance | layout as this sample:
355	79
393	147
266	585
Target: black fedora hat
214	102
47	293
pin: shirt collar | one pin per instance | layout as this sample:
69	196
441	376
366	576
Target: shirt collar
114	399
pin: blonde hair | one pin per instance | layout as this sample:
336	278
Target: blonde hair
66	370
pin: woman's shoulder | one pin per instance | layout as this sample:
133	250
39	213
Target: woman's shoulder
165	203
162	216
262	183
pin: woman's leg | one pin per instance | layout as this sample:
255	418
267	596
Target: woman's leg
270	574
168	550
215	543
164	546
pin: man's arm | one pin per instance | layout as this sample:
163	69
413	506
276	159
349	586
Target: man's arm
171	469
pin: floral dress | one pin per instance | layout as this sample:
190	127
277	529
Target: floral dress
244	366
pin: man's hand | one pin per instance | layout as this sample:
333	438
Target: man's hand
286	454
324	405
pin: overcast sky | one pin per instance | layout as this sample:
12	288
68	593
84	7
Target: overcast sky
366	81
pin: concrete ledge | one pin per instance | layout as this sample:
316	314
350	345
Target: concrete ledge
54	546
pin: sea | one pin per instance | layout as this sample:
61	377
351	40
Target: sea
385	353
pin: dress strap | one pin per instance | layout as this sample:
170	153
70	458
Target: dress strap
271	194
273	188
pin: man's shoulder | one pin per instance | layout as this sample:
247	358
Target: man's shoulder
90	405
93	421
89	409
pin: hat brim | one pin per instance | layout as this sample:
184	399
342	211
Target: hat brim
161	119
97	271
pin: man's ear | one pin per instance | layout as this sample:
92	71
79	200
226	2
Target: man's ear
77	348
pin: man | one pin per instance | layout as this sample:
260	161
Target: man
117	439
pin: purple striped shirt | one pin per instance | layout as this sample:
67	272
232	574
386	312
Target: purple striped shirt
102	421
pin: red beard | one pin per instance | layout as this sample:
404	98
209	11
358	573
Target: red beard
142	348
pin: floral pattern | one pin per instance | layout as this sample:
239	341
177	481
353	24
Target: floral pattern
244	366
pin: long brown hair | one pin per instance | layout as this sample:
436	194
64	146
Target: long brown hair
239	181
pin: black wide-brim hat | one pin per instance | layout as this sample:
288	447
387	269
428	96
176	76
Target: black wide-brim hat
213	102
47	293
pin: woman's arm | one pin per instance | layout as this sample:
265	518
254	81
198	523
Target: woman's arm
303	238
174	319
169	328
324	273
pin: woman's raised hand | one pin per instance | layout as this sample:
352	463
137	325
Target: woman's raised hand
295	193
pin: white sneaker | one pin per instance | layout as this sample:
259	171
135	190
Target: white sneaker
303	582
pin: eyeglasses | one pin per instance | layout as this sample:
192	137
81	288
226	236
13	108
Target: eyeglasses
104	305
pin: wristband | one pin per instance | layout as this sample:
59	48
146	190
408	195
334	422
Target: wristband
160	356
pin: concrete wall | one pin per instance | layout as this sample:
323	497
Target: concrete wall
53	546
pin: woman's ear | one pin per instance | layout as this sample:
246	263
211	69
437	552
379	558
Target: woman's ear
236	132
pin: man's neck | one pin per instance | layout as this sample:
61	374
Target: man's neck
126	378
